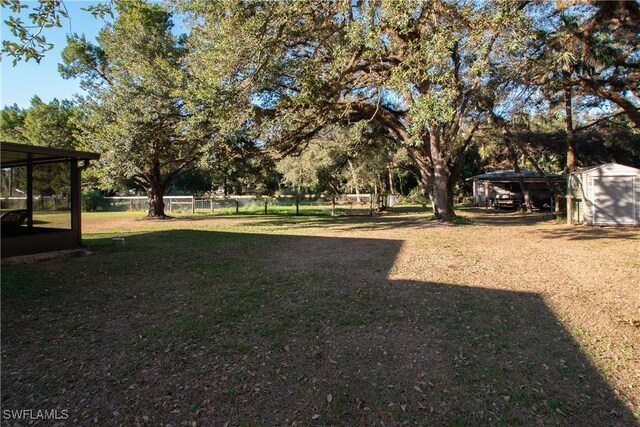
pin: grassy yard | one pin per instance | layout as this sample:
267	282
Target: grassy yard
502	319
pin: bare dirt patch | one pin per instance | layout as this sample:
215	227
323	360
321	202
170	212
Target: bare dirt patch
503	320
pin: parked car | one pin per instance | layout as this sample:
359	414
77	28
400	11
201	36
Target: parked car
540	200
507	200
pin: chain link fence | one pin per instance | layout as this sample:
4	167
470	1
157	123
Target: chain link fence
345	204
45	203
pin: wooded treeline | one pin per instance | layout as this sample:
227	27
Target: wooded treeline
341	96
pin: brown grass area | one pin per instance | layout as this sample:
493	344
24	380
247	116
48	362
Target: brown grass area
502	320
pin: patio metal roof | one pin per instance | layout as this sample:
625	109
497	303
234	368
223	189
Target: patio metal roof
16	154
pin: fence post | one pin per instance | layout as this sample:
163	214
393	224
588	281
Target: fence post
265	205
297	205
131	205
237	205
211	204
193	205
333	205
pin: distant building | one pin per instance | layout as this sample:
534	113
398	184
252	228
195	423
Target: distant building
607	194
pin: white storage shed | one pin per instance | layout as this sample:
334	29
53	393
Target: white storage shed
607	194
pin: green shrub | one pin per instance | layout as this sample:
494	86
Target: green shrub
415	196
93	200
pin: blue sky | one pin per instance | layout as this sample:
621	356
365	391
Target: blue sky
26	79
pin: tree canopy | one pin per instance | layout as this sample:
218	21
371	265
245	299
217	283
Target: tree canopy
420	70
435	82
135	109
54	124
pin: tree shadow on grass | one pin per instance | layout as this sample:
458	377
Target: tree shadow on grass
502	217
353	222
592	233
207	327
401	217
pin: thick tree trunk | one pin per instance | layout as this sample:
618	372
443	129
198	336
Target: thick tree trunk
277	177
355	181
155	192
442	189
156	205
424	174
392	188
433	180
382	185
431	161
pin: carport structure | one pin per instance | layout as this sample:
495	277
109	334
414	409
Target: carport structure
40	198
503	187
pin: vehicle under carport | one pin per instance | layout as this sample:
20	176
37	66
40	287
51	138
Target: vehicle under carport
501	189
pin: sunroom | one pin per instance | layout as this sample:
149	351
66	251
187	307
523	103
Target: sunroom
40	198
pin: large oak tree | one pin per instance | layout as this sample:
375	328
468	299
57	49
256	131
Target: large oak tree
135	108
418	69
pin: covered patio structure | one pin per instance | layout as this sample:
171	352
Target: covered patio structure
40	198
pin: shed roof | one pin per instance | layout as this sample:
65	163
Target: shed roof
510	176
16	154
604	165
